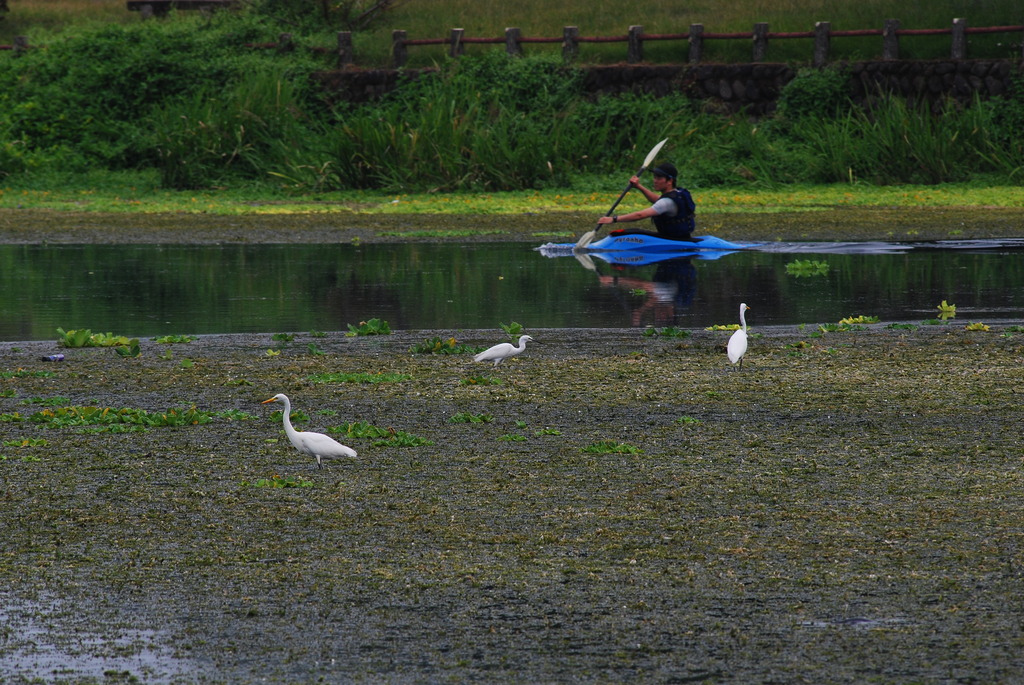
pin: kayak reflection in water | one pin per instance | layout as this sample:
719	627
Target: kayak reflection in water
668	293
672	209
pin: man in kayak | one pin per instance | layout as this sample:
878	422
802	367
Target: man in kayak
671	209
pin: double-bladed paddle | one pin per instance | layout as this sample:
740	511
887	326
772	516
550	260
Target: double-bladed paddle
588	237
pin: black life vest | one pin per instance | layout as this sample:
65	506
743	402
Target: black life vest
682	224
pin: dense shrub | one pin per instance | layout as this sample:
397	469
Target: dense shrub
87	97
815	93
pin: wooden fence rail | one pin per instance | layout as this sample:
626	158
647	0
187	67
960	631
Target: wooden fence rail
635	38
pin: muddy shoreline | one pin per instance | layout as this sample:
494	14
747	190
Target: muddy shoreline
33	226
612	507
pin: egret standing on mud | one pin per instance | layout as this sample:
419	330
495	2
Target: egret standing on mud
502	351
314	444
738	342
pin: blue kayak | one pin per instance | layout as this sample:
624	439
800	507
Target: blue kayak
645	257
649	243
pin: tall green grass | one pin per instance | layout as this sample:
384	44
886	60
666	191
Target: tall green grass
41	21
495	123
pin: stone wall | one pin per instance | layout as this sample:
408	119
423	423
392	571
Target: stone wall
754	88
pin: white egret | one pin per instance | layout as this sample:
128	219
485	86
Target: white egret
314	444
502	351
738	342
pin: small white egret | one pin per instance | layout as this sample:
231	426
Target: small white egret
502	351
314	444
738	341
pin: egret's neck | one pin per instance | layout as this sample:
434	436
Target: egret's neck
286	416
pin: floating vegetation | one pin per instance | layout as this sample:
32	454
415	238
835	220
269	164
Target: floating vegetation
277	481
107	416
512	437
235	415
512	328
47	401
796	349
437	345
859	319
171	339
24	458
611	447
976	327
839	328
804	268
481	380
667	331
439	233
466	417
902	327
27	442
132	349
296	416
723	327
283	337
946	311
22	373
313	349
86	338
382	437
688	421
548	431
371	327
359	377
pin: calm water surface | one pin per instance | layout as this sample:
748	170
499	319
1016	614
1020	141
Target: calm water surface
157	290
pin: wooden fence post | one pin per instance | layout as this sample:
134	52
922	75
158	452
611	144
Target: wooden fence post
696	42
636	45
570	43
959	50
512	44
890	39
760	41
399	53
457	48
20	44
822	37
346	54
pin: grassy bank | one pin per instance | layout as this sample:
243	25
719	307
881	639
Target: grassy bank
539	18
133	193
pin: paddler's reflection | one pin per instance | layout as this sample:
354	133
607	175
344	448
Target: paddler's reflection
666	295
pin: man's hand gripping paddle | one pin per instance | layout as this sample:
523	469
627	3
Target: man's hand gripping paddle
589	236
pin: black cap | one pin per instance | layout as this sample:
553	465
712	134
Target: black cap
667	170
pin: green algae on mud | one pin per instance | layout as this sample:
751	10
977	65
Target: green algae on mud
844	508
41	226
